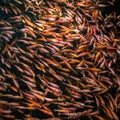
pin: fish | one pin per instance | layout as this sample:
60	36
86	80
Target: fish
59	59
77	114
47	111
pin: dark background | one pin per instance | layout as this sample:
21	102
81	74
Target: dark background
115	8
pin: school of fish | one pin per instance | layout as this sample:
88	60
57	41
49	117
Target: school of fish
59	60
